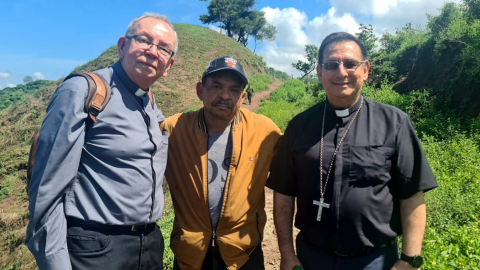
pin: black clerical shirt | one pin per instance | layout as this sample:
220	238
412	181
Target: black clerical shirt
379	163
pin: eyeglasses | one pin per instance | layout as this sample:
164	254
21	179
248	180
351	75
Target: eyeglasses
349	65
144	43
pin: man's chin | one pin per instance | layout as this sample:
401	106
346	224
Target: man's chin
223	114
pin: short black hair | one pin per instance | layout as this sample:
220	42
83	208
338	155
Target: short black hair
339	37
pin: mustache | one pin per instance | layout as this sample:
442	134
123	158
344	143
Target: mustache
222	102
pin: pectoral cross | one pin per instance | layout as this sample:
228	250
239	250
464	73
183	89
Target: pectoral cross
320	207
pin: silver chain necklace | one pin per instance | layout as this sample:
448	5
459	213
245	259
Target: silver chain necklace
320	203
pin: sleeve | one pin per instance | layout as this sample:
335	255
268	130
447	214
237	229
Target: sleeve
282	170
56	164
413	172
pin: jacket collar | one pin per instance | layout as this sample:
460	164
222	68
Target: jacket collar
203	126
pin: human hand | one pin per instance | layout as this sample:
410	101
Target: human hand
288	261
403	265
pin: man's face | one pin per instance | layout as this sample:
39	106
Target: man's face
222	94
145	66
343	86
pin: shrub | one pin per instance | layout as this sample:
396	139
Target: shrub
291	91
260	82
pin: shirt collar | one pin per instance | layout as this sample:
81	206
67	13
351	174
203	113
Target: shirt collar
131	86
203	126
344	112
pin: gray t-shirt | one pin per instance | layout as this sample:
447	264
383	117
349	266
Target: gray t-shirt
219	154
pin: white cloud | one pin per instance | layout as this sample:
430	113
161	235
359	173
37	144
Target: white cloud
214	28
10	85
387	15
4	74
294	31
39	76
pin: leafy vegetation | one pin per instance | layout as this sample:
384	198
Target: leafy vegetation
240	20
306	67
260	82
444	56
15	95
280	75
166	225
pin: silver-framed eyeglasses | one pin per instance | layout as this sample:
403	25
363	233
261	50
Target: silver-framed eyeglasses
348	65
144	43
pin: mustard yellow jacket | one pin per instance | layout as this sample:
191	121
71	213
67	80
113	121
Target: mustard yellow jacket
242	217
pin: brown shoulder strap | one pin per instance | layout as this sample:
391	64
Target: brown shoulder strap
31	158
99	93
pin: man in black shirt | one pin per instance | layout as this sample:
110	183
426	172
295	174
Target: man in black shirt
373	174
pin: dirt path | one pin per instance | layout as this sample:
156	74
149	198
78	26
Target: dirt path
269	244
259	97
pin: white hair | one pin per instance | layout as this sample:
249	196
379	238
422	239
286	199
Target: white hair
131	25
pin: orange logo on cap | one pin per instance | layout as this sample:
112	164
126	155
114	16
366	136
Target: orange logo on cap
230	61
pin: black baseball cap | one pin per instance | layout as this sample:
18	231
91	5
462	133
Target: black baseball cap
225	63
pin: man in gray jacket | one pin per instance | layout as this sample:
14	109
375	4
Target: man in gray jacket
95	196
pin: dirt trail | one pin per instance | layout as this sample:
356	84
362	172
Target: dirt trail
259	97
269	245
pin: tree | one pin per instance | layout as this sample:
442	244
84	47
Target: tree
368	38
27	79
239	19
473	8
308	66
266	33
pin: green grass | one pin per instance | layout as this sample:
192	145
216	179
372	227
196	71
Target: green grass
166	225
260	82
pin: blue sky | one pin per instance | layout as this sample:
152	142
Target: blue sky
47	39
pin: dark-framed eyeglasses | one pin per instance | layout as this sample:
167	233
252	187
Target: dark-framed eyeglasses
144	43
348	65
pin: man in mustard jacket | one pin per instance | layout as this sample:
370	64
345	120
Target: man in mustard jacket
218	162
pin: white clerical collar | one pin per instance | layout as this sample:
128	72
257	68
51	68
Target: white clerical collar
140	93
342	113
346	112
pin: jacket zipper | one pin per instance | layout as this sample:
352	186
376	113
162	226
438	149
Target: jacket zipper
213	239
214	233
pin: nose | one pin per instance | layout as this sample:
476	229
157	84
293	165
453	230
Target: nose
152	51
342	70
224	93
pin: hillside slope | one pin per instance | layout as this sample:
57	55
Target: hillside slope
20	121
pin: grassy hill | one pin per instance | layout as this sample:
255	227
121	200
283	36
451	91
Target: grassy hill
25	113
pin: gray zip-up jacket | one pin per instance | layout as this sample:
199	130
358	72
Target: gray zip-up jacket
111	174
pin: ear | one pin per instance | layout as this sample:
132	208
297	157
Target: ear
169	65
121	47
366	69
200	91
319	73
242	97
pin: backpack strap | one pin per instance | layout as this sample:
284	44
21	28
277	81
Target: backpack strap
99	93
31	158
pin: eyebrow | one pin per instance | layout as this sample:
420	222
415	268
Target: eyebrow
161	42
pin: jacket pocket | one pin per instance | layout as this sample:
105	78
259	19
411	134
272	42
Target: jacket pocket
370	163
